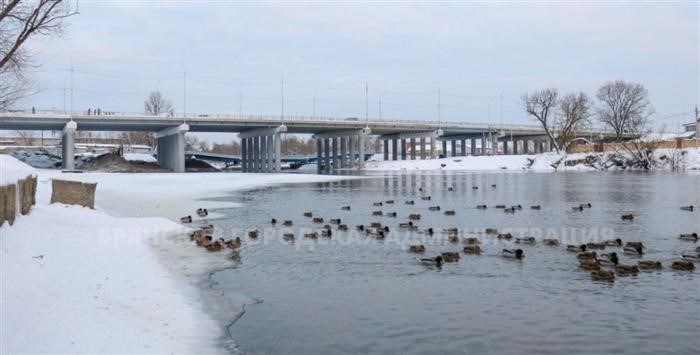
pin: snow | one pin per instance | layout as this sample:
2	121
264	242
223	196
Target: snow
12	170
478	163
148	158
76	280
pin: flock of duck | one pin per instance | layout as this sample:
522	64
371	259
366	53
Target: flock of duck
603	266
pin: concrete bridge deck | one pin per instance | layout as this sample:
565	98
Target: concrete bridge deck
337	138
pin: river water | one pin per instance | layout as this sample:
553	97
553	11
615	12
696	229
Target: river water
356	294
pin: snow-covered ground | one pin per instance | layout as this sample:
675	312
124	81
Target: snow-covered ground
75	280
496	162
148	158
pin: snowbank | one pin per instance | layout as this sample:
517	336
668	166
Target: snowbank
148	158
496	162
78	280
12	170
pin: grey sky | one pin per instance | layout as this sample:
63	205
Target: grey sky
472	51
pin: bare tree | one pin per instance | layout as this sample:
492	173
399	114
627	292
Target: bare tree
624	107
156	104
20	21
541	106
574	115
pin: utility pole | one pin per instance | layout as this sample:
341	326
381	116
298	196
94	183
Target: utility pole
501	114
366	103
184	91
65	77
282	94
380	108
71	86
240	100
439	107
314	115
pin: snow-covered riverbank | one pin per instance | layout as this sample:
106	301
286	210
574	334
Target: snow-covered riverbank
75	280
663	159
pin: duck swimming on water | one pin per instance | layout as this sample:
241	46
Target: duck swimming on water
432	262
510	253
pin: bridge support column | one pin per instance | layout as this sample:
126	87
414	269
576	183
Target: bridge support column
444	149
386	149
264	154
463	150
68	146
351	151
263	149
413	149
453	146
319	155
515	147
422	148
171	147
278	152
483	146
472	146
361	140
343	152
326	155
433	139
403	149
244	158
394	149
334	146
505	148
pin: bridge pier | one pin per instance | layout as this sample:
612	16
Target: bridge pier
472	146
386	149
413	149
394	149
343	152
453	144
444	148
327	149
68	146
171	147
334	151
261	149
403	148
319	155
515	147
422	148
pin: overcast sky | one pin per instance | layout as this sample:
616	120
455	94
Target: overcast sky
474	52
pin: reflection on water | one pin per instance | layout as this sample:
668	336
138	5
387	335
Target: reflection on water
354	294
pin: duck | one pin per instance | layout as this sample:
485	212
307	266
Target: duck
535	207
308	214
326	232
493	186
577	208
688	208
327	226
576	248
607	276
335	220
376	225
434	208
343	227
215	246
450	213
318	220
587	255
430	231
525	240
288	223
410	202
481	207
517	207
628	217
202	212
649	265
693	237
635	244
377	213
589	264
345	208
425	198
475	187
432	262
414	216
203	240
691	257
288	236
595	245
420	189
449	256
626	269
509	210
550	242
452	230
506	236
273	221
360	227
208	229
633	250
609	259
197	234
472	249
418	248
253	233
186	219
233	243
450	188
377	204
379	234
471	241
500	206
453	238
312	235
683	265
510	253
586	205
391	214
389	202
406	224
491	231
614	243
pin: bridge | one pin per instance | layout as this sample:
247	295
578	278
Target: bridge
340	142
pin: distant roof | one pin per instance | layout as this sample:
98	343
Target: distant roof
690	124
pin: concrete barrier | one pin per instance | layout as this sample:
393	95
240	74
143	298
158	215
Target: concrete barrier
73	193
17	197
